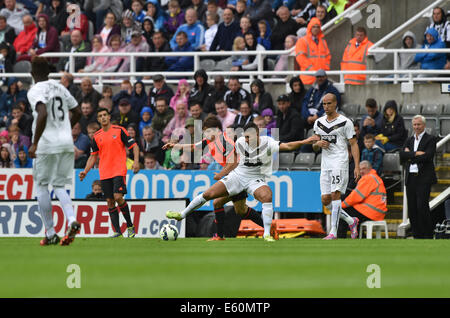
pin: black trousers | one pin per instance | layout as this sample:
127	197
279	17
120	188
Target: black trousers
343	226
418	194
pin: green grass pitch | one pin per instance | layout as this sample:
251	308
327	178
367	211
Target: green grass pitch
234	268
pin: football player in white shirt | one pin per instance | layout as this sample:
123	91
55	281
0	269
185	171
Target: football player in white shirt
248	174
335	131
52	147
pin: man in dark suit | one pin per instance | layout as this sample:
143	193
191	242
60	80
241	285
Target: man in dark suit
417	156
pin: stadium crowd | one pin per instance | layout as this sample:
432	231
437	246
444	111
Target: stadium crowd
153	115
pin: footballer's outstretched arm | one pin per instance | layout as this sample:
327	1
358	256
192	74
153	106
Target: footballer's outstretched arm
229	166
41	122
89	164
293	145
172	145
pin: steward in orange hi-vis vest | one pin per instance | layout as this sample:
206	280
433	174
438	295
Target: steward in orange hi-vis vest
369	197
354	59
312	53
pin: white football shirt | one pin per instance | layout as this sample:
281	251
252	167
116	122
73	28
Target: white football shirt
256	162
337	133
57	136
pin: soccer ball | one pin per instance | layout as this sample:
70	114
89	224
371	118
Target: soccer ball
168	232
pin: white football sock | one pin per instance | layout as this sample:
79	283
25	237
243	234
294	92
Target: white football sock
196	203
347	218
267	215
66	204
45	209
336	207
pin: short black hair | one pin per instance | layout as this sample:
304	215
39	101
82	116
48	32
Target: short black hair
103	109
40	66
195	102
212	122
250	126
161	98
371	103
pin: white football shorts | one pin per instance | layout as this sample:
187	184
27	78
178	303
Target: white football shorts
235	183
333	180
54	169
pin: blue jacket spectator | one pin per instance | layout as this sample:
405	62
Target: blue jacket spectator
139	97
181	63
146	119
12	95
373	153
265	40
160	15
287	3
194	30
23	160
312	103
432	61
226	32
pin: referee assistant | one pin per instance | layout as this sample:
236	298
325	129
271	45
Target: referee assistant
110	143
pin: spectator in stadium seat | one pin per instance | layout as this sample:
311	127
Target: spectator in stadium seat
297	93
251	45
176	125
393	132
146	118
282	62
9	58
367	202
219	88
312	53
245	116
81	145
323	15
88	93
193	29
373	121
67	82
23	120
431	61
137	44
417	156
97	193
13	94
196	111
285	26
92	128
373	153
17	138
151	143
79	22
116	63
182	93
107	92
137	6
235	94
202	92
354	57
258	10
98	10
95	64
24	40
181	63
14	15
157	14
109	28
442	25
6	156
133	132
212	20
312	107
264	34
159	88
225	116
201	8
56	11
238	60
175	19
7	33
148	29
213	9
76	45
129	25
406	60
309	12
163	114
125	115
23	160
245	26
298	7
289	121
269	120
88	115
139	97
150	162
226	32
239	9
160	44
259	98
